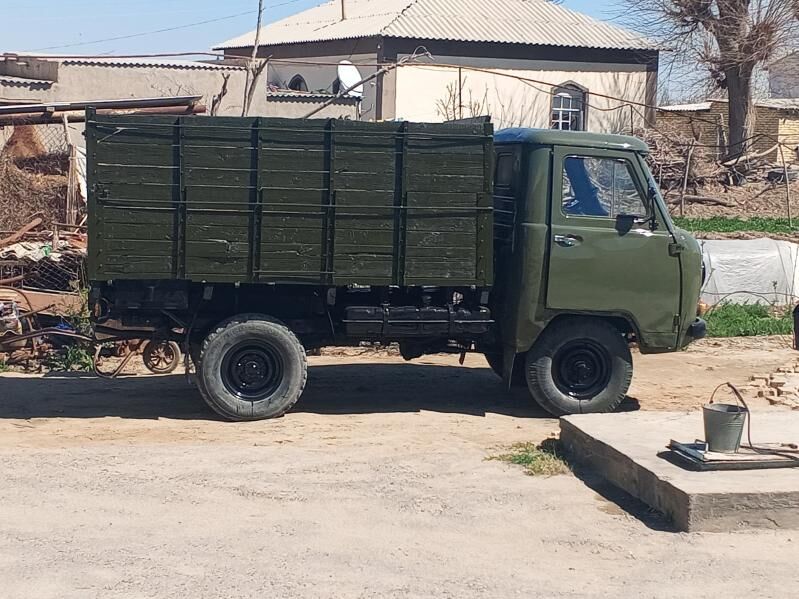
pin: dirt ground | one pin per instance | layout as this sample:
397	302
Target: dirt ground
376	485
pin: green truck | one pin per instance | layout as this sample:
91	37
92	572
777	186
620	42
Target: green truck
253	241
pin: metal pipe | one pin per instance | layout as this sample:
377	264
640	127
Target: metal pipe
99	104
80	117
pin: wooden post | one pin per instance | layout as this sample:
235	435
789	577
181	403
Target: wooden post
70	209
685	178
787	186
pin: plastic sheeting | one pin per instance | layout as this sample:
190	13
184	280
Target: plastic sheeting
762	271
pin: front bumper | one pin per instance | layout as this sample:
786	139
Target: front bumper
697	330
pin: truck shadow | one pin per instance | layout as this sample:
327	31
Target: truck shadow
335	389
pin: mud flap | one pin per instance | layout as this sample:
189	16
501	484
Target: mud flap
508	361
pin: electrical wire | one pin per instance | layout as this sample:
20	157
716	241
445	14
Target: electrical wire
634	105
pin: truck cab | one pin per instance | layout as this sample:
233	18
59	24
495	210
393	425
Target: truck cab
587	262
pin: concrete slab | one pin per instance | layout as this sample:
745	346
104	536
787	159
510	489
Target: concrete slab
628	449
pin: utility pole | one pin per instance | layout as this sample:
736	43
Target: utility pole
253	70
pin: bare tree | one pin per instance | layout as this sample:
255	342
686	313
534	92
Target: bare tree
254	67
731	38
457	105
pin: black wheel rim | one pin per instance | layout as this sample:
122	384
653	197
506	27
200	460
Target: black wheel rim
252	371
581	369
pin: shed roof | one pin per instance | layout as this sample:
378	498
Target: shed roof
11	81
151	63
532	22
773	103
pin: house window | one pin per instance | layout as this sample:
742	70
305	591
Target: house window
568	108
298	84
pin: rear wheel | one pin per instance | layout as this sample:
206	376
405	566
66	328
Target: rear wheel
252	367
579	366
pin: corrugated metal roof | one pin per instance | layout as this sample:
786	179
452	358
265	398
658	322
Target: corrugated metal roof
290	94
695	107
775	103
535	22
10	81
779	103
164	64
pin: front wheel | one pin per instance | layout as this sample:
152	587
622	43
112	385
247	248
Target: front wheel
579	366
252	367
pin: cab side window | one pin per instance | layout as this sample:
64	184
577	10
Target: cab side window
504	174
600	187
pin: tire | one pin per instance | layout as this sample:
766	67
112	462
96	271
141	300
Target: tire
579	366
252	367
497	362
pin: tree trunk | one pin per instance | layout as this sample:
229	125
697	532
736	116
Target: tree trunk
742	113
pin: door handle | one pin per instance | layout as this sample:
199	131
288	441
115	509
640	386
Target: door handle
567	241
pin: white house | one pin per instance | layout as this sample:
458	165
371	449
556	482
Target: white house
526	62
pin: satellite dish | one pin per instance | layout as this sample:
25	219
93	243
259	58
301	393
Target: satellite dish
348	76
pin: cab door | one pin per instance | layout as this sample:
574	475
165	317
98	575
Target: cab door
611	249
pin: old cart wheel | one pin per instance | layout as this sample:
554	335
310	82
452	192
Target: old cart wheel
252	367
161	357
579	366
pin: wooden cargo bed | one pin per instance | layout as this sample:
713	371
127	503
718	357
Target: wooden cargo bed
325	202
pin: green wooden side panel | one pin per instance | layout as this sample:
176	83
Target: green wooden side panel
326	202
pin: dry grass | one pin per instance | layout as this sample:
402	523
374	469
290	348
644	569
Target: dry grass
25	193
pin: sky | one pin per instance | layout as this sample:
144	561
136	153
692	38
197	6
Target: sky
77	26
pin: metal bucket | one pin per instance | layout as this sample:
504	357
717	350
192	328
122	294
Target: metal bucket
724	427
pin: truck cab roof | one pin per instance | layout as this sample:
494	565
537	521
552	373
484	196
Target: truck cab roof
554	137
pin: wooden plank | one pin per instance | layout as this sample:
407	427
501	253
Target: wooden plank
444	224
217	156
126	192
277	250
200	266
434	239
137	247
294	180
423	199
219	197
435	182
138	154
135	175
220	249
293	235
129	265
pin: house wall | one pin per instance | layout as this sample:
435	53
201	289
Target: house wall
111	82
789	135
413	92
320	77
424	92
783	77
710	127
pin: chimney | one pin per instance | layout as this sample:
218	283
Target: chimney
343	10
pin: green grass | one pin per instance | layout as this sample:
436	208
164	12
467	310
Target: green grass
748	320
723	224
3	367
69	358
545	459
